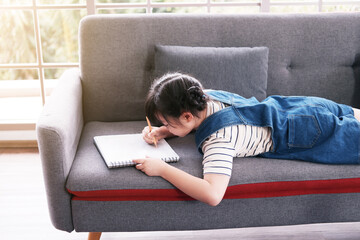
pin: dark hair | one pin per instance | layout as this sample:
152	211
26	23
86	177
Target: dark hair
172	94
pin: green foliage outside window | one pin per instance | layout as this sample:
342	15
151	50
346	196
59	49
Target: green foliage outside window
17	33
59	29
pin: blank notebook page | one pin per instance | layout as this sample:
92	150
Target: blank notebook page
120	150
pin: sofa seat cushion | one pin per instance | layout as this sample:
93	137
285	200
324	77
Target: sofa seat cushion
91	180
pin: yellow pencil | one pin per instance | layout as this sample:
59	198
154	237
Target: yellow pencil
150	129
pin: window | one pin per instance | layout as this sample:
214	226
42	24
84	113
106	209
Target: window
38	41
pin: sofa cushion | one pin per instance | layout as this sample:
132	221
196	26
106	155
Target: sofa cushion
242	70
91	180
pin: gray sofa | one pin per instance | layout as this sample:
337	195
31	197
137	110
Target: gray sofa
315	54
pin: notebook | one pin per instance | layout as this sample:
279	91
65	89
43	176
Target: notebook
120	150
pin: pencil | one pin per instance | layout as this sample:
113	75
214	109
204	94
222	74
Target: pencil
150	129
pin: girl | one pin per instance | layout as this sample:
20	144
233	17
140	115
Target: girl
228	125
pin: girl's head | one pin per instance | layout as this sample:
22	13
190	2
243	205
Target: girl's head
172	95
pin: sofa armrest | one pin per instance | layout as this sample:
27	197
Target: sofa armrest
58	132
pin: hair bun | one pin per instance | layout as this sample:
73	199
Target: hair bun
197	97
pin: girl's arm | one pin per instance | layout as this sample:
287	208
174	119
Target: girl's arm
209	190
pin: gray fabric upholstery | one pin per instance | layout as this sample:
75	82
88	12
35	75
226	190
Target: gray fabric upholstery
234	213
89	171
312	54
58	131
239	70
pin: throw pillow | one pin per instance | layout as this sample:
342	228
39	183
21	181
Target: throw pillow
241	70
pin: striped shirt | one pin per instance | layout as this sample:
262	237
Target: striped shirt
233	141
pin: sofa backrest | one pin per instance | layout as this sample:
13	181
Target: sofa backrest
309	54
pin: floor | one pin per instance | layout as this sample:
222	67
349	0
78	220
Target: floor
24	215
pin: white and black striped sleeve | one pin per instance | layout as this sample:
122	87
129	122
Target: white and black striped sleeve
218	153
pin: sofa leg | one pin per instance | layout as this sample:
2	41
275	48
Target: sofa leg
94	236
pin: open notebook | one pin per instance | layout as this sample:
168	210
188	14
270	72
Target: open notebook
120	150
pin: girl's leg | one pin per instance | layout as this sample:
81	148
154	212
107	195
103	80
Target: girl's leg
357	113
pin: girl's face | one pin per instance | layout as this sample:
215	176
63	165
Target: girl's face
181	126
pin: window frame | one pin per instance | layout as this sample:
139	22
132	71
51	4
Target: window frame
92	7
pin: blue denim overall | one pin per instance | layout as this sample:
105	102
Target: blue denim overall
303	128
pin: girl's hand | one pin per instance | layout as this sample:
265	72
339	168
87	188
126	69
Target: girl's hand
157	132
151	166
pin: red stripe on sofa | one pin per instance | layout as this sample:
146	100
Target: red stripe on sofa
252	190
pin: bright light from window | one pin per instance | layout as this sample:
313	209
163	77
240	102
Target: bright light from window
39	38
